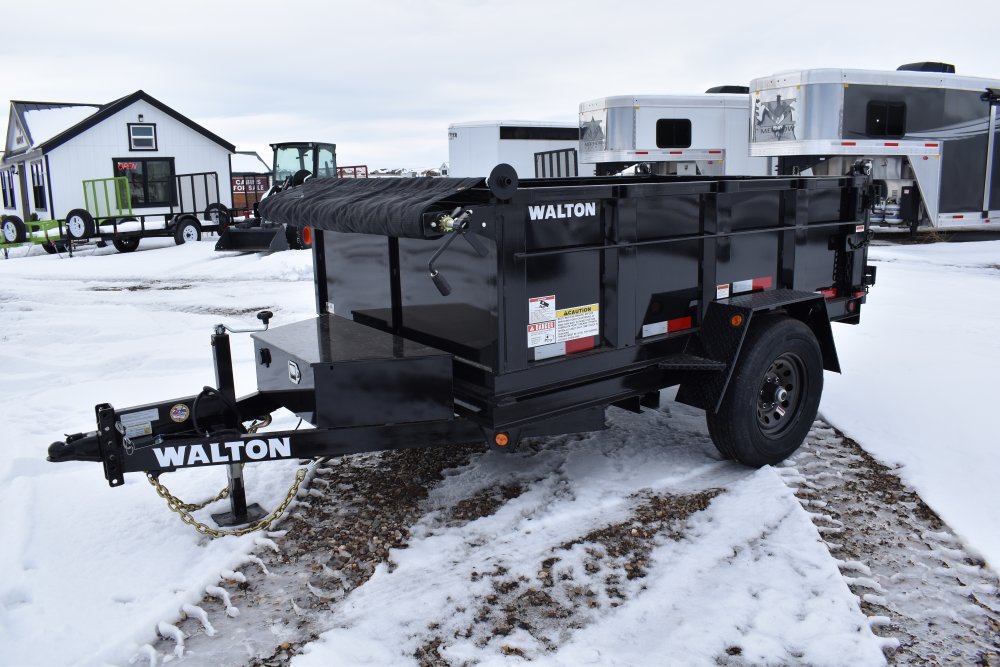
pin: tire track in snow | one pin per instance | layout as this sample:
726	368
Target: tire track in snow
934	603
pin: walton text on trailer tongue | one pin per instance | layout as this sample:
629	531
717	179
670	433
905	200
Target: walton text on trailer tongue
565	297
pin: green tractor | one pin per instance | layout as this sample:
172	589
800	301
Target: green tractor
294	162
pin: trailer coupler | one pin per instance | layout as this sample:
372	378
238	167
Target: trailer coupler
76	447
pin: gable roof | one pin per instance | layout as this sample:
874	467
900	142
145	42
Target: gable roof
43	120
101	113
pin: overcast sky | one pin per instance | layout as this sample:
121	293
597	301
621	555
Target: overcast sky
383	78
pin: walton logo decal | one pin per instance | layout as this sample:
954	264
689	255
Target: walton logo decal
223	452
774	120
557	211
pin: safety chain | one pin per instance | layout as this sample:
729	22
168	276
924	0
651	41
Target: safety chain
184	510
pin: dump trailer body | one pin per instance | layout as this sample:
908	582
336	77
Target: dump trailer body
581	279
562	297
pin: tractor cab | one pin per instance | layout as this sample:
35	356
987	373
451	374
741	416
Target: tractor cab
293	158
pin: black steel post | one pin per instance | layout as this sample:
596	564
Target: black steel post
240	513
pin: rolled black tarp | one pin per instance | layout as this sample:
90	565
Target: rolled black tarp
386	206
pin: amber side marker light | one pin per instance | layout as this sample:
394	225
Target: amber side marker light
307	235
501	439
736	321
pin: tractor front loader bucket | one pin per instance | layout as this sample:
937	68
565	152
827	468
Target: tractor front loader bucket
253	239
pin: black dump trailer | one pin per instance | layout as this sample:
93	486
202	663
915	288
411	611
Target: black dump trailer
561	298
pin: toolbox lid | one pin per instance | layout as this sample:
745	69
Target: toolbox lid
327	339
385	206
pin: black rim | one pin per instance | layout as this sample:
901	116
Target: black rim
780	395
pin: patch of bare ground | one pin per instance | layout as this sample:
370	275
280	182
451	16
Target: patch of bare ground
932	601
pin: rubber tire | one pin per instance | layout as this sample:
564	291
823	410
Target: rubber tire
182	225
127	244
13	230
224	216
734	428
87	224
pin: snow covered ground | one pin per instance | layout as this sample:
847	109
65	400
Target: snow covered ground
89	572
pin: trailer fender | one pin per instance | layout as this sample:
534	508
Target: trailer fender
724	329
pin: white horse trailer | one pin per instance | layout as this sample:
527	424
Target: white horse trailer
670	134
928	135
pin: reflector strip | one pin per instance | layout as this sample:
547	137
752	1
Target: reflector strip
679	324
741	286
579	345
848	143
829	293
958	216
715	152
642	152
892	143
677	152
930	145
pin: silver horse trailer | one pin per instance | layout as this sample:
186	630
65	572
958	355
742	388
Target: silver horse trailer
929	135
670	134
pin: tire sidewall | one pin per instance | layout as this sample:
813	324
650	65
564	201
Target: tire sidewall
183	224
773	337
85	223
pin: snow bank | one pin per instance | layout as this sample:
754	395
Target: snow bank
919	380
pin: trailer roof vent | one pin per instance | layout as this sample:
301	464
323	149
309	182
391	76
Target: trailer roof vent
737	90
944	68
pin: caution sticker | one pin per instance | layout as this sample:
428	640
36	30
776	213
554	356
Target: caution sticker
579	322
541	333
542	309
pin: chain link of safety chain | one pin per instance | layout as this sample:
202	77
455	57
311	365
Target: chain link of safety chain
184	510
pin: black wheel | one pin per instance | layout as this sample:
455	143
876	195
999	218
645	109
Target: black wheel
79	224
773	397
12	230
187	230
218	214
126	244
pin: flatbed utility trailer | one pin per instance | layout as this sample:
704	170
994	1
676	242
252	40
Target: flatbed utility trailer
564	297
107	216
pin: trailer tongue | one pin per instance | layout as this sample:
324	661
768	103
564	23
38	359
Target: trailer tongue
565	297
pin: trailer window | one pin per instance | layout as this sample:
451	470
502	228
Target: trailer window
886	119
673	133
7	182
142	137
38	185
151	181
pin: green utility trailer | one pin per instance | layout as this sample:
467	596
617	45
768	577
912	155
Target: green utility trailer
107	216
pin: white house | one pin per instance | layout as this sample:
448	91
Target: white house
52	147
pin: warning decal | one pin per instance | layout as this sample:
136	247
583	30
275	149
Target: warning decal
542	309
579	322
541	333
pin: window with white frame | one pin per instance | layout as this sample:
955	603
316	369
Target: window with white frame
7	185
38	185
142	136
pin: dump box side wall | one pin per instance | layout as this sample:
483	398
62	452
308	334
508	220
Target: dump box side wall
626	270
